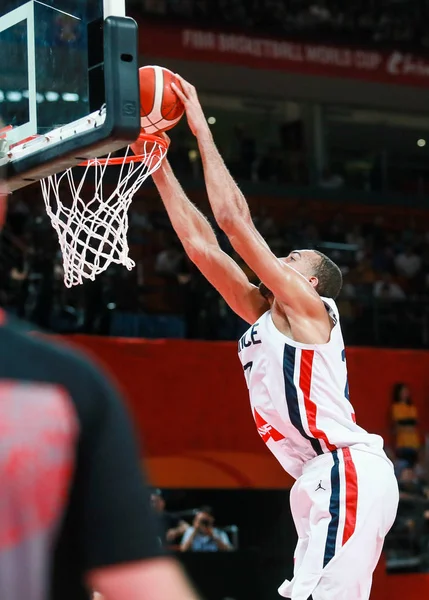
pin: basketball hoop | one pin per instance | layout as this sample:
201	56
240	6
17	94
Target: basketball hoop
93	232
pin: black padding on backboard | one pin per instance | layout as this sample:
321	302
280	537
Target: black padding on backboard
122	78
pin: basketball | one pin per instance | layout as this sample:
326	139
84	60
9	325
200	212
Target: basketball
160	107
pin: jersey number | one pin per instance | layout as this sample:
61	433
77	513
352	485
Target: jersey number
247	368
346	390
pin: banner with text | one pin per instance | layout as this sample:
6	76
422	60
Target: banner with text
397	67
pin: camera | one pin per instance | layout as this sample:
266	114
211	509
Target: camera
205	522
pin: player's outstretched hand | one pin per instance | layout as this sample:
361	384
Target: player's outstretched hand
194	113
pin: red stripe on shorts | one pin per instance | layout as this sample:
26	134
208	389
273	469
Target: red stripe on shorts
351	495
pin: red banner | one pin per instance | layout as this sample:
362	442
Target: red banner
280	54
191	406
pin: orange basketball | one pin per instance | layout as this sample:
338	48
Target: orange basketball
160	107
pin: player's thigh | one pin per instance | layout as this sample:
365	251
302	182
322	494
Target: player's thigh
349	574
378	493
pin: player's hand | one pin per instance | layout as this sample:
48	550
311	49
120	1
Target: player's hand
194	113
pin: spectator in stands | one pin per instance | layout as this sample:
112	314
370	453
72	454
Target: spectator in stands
408	263
172	526
387	289
405	419
203	536
410	485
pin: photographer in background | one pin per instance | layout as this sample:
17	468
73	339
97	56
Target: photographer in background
203	536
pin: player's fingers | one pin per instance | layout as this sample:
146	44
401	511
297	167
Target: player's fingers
188	87
183	97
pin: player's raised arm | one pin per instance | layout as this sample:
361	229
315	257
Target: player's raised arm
232	214
201	245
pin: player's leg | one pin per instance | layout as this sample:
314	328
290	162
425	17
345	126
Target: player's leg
353	497
311	522
363	522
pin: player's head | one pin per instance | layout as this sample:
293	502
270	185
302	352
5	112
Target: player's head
322	273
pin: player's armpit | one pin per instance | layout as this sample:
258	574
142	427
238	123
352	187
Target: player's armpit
230	281
153	579
288	286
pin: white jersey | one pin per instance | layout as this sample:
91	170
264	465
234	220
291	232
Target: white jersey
299	394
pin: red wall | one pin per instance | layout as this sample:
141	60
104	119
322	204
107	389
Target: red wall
191	406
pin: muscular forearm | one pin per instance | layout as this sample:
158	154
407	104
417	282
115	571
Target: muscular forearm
227	201
186	219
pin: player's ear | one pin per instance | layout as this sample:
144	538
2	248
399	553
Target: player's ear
314	281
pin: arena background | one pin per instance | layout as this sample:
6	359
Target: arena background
322	114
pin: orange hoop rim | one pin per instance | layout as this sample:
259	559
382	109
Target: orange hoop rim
125	160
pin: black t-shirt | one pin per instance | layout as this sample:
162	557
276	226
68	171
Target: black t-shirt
72	495
168	521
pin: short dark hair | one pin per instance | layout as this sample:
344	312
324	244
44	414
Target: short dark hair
396	394
329	276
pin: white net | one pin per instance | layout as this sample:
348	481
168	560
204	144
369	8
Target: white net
93	232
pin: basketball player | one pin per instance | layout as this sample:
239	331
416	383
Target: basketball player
74	507
345	497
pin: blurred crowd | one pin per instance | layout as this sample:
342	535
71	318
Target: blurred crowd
377	22
407	546
384	259
192	530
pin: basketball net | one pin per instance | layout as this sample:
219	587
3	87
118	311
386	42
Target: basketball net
93	231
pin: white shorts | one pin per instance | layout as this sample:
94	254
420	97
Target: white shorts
343	505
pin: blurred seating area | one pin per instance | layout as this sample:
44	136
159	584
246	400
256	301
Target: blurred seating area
372	22
407	545
384	258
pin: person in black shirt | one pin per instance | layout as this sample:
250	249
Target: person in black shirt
172	527
75	513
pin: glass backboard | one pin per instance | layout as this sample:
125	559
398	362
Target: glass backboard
60	63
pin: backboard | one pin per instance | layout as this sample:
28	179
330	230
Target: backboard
69	87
